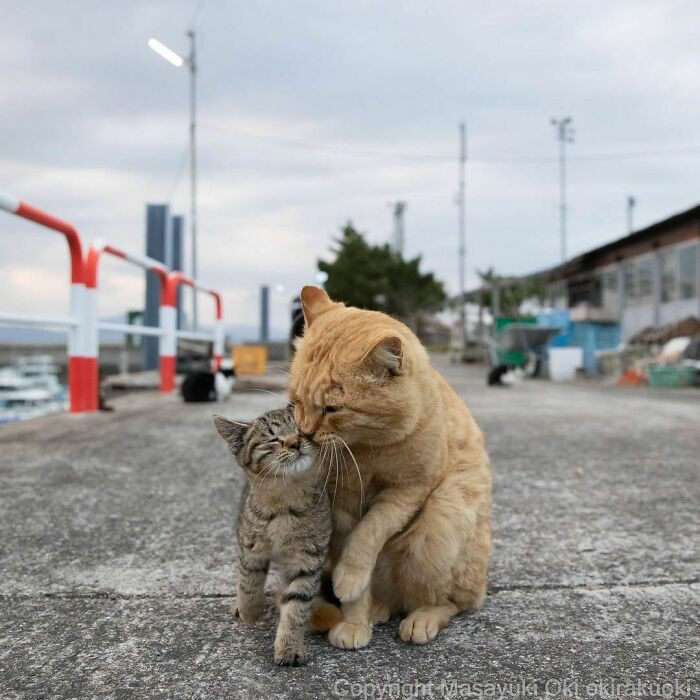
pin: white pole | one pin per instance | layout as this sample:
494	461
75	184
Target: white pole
462	236
192	61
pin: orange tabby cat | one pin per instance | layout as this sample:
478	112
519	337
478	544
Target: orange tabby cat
408	470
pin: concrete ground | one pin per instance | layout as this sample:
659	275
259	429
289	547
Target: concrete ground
117	557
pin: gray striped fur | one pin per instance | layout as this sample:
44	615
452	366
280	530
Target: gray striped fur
284	520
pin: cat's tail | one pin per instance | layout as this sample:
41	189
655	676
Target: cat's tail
324	615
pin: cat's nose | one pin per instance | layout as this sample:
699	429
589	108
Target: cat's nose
292	441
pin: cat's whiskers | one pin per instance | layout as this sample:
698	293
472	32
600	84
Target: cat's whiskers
321	457
261	476
336	460
359	475
325	483
342	478
345	469
272	393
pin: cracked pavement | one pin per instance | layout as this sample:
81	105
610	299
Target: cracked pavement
117	557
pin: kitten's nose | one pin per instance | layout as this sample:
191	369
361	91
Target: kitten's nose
292	441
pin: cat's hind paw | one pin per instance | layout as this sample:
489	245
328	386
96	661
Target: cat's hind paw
422	625
350	635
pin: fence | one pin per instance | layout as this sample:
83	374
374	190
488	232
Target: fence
82	324
168	322
73	323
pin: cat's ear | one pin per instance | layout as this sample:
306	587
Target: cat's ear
314	301
387	356
231	431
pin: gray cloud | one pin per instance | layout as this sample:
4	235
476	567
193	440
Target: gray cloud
307	111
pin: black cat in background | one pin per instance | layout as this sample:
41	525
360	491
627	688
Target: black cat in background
201	385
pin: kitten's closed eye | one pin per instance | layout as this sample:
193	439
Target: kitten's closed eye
331	409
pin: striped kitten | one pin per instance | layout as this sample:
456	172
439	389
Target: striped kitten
285	519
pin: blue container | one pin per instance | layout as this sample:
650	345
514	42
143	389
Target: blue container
592	336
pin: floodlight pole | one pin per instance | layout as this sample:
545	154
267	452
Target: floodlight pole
565	134
631	203
192	62
462	238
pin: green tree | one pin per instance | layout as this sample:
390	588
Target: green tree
512	291
377	278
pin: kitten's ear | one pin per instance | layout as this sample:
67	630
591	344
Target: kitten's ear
314	301
232	432
387	356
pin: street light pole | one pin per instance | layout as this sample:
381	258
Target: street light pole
462	237
565	134
178	61
192	62
631	203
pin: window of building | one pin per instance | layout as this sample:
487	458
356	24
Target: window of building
645	282
610	292
595	288
629	283
669	274
556	295
687	271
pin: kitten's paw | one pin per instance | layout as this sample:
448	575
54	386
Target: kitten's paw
349	582
350	635
250	614
289	654
420	627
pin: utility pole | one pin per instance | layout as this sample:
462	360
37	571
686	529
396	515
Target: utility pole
192	62
462	241
565	134
264	313
178	61
399	209
631	204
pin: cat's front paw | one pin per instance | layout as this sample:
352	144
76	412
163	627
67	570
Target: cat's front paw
289	654
350	635
349	582
250	614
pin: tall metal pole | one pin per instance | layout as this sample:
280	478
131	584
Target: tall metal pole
399	209
631	202
565	134
192	61
562	197
462	239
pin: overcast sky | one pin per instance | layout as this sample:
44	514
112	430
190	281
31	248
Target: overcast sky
313	113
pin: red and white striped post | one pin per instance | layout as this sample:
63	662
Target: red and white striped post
218	330
91	315
168	323
76	353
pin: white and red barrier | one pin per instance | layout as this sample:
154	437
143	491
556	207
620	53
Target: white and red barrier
168	322
73	323
92	324
83	326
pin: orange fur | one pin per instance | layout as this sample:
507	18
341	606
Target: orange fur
324	615
411	530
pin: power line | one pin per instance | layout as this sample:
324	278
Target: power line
441	158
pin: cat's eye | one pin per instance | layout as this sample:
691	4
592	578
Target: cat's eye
331	409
